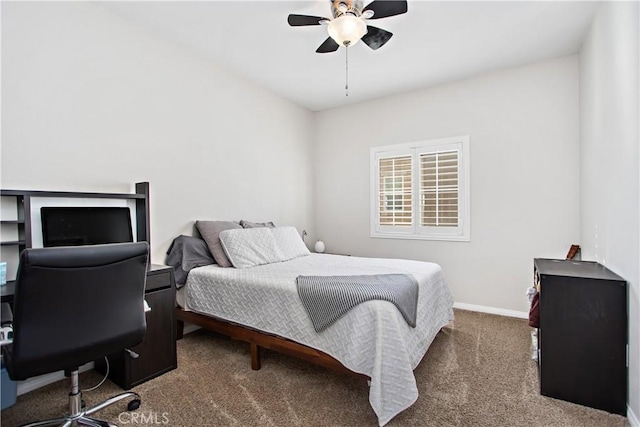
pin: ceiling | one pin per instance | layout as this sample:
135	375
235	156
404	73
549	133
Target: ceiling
433	43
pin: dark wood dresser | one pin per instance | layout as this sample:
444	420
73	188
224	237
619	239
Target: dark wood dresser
583	334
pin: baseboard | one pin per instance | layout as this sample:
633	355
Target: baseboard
633	419
491	310
36	382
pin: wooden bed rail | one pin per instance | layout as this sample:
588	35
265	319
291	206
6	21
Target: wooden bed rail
258	340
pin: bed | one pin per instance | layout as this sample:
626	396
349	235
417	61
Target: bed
261	305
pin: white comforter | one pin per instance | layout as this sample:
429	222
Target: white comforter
372	339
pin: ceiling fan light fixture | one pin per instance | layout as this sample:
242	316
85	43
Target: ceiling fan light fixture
347	29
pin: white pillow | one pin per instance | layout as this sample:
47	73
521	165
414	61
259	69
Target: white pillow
289	242
248	247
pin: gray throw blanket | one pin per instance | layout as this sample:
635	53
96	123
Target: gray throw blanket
326	298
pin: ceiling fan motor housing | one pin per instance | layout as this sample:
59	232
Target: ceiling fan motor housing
340	7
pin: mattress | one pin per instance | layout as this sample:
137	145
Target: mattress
373	338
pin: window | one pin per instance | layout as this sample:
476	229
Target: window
394	193
421	190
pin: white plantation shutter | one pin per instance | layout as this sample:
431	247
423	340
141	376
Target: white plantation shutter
395	205
439	189
421	190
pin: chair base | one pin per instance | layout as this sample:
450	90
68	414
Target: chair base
79	416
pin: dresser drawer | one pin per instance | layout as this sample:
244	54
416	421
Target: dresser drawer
158	279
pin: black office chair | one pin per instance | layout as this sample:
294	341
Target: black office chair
74	305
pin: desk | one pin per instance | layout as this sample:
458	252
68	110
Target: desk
158	349
7	291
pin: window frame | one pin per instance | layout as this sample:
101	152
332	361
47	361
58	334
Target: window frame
462	232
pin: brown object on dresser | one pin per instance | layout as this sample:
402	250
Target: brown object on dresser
573	251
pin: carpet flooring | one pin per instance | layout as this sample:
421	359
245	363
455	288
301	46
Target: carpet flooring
478	372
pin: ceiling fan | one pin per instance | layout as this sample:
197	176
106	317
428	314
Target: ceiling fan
349	23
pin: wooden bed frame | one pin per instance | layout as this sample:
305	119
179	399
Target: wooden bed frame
258	340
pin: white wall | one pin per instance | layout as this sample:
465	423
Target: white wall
91	103
610	158
523	127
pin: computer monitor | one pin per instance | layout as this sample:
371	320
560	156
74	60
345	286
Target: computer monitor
85	225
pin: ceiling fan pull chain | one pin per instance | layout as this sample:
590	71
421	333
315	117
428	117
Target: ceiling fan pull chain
346	69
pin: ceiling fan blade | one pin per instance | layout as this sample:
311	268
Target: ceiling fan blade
301	20
329	45
384	8
376	37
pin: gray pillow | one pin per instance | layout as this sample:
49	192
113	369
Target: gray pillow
210	232
185	253
248	224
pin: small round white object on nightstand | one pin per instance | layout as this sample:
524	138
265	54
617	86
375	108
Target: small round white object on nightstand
319	247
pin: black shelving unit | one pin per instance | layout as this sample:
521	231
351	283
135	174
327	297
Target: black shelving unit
23	214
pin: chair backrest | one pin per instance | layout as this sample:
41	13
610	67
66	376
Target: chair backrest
73	305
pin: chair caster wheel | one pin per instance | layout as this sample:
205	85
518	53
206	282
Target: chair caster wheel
133	405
